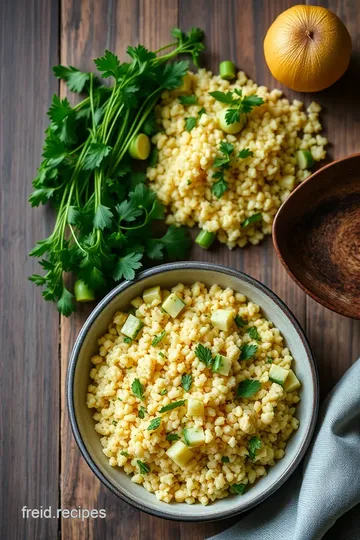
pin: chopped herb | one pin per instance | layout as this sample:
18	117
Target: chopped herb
137	389
128	340
218	363
186	381
188	100
240	322
204	355
222	163
188	182
238	489
161	354
154	424
123	453
245	153
248	388
163	392
172	437
253	333
225	459
190	123
248	350
158	338
114	423
142	412
144	467
171	406
239	104
201	112
254	446
119	399
269	360
252	219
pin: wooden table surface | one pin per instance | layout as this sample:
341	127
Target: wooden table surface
40	462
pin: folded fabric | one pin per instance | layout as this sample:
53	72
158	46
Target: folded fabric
327	484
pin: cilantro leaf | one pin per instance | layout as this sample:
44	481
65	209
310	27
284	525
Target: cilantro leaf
225	459
59	110
103	217
172	437
66	302
186	381
95	155
74	78
254	446
204	355
188	100
171	406
158	338
253	333
140	54
240	321
128	211
126	266
154	424
219	188
249	102
244	153
252	219
247	351
248	388
41	196
137	389
190	123
54	150
226	148
142	411
232	116
238	489
108	65
143	467
173	74
222	97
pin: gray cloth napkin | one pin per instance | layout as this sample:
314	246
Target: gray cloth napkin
327	484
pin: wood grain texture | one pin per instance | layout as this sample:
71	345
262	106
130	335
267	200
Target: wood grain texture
29	372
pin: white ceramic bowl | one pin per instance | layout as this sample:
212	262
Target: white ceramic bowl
88	440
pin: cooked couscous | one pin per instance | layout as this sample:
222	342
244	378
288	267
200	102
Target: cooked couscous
183	177
184	393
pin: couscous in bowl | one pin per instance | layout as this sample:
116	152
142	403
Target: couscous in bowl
167	276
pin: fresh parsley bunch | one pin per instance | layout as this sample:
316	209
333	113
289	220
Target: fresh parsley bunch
104	210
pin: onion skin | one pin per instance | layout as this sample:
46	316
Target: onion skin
307	48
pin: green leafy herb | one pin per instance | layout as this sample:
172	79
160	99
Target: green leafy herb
238	489
225	459
114	423
190	123
142	412
186	381
248	388
218	363
161	354
222	163
252	219
240	321
201	112
171	406
158	338
137	389
128	340
254	446
143	467
247	351
245	153
239	104
104	211
204	355
172	437
253	333
163	392
269	360
119	399
154	157
154	424
124	453
188	100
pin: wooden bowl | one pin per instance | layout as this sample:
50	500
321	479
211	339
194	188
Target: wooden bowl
316	235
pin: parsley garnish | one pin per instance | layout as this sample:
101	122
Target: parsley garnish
158	338
171	406
253	333
143	467
201	112
172	437
254	446
218	363
114	423
124	453
225	459
188	100
240	321
238	489
247	351
142	412
252	219
248	388
239	104
104	209
161	354
190	123
204	355
245	153
154	424
269	360
137	389
186	381
163	392
128	340
222	163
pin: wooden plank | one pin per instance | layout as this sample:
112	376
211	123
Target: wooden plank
29	380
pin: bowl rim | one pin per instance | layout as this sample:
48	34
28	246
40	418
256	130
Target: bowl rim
308	291
169	267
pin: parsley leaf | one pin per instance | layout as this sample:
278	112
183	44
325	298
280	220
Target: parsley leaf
254	446
244	153
66	302
225	459
188	100
240	321
96	154
137	389
176	242
248	103
252	219
253	333
142	411
222	97
239	104
143	467
247	351
126	266
269	360
248	388
128	211
186	381
103	217
172	437
219	188
158	338
190	123
108	65
171	406
238	489
74	78
204	355
201	112
59	110
124	453
154	424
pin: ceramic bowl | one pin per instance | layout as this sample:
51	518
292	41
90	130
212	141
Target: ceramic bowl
82	422
316	234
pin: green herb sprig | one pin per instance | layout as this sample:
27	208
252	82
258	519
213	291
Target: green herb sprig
238	104
222	164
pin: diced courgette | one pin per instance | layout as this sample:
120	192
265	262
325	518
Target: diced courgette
222	319
278	374
304	159
292	383
179	453
154	293
173	305
194	436
195	407
132	326
222	364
